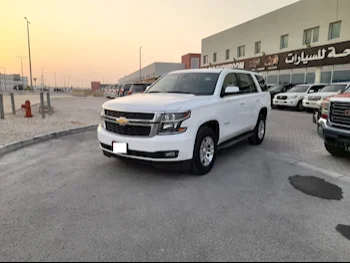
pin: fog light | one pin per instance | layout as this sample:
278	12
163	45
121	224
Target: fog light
170	154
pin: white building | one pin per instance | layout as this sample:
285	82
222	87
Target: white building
152	72
9	81
305	42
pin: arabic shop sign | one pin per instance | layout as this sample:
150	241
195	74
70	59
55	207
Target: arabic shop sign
318	56
335	54
233	65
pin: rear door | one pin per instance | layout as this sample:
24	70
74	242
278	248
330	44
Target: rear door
250	99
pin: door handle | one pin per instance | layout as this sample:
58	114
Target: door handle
257	100
242	103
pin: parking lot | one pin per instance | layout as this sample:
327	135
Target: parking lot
66	201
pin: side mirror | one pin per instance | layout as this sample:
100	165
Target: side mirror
231	90
311	91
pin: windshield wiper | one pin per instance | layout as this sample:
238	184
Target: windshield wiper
154	92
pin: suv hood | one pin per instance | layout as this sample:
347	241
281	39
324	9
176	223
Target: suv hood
157	102
291	94
345	96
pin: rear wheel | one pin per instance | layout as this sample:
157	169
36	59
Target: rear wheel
335	151
204	153
259	131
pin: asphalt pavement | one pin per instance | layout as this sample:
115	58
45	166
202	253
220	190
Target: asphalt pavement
64	201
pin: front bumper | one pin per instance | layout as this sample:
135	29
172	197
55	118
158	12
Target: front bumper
286	103
311	104
333	136
149	148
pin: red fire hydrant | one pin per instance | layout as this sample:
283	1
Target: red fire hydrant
28	109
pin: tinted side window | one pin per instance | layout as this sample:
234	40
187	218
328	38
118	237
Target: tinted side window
230	80
246	83
262	82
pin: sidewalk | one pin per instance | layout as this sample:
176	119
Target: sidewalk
69	112
34	99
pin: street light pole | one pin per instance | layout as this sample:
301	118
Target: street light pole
30	58
4	77
140	61
22	69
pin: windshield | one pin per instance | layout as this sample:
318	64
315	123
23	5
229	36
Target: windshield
187	83
138	87
276	88
333	88
299	89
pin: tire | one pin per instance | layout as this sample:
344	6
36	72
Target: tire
335	151
205	136
300	106
259	131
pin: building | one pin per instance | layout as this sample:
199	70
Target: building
306	42
154	71
9	82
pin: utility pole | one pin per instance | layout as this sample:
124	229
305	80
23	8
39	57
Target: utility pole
4	77
140	61
30	59
42	78
22	69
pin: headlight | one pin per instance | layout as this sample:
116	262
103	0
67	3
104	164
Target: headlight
102	122
293	97
325	106
102	112
171	123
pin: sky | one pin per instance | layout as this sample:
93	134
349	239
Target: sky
86	40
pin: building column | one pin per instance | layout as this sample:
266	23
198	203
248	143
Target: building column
318	75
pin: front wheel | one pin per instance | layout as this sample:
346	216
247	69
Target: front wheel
300	106
204	153
259	131
335	151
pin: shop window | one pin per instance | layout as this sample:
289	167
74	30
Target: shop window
298	78
214	57
227	54
326	77
341	76
257	49
310	78
284	79
272	79
334	30
241	51
284	41
311	35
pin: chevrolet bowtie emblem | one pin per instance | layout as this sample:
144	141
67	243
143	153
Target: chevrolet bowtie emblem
122	121
347	113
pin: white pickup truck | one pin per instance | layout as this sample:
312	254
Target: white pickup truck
186	116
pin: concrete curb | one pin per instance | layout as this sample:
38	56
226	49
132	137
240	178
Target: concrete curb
41	138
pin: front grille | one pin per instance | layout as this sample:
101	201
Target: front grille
130	130
130	115
339	113
282	97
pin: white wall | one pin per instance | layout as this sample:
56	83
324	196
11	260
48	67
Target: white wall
154	70
268	29
7	83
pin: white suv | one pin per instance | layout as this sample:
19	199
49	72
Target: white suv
294	97
314	101
185	116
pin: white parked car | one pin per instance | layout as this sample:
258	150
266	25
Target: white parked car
294	97
314	101
107	92
115	91
186	116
